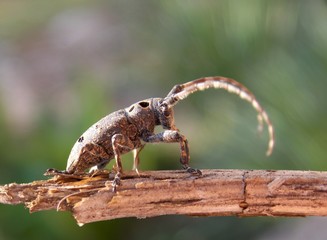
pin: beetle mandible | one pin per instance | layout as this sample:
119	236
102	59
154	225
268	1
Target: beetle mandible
131	128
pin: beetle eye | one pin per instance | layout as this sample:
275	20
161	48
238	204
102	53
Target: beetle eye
144	104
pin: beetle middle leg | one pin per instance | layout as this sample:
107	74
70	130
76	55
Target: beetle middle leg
136	153
119	143
171	136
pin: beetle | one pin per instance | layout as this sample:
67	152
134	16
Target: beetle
129	129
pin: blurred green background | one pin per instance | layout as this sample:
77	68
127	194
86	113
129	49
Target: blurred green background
64	64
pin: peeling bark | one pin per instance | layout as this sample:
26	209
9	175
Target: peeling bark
155	193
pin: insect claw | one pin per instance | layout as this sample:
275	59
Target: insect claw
137	171
116	182
114	188
53	171
194	171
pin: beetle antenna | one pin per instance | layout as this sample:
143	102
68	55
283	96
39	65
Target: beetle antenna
182	91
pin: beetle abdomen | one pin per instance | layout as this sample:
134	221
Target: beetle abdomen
99	134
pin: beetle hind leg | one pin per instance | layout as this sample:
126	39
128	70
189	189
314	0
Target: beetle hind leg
99	167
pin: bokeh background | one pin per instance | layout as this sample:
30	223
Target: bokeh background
64	64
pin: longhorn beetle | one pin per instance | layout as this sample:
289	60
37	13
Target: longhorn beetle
131	128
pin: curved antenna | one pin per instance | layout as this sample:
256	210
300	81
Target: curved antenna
182	91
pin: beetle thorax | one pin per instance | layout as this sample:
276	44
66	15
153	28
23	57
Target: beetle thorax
142	115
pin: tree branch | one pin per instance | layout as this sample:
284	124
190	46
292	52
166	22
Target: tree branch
154	193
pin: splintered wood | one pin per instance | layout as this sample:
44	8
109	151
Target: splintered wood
155	193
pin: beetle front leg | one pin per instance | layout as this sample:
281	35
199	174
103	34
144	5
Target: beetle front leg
171	136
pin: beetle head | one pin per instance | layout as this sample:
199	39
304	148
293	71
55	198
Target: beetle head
166	115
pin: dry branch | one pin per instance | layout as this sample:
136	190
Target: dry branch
154	193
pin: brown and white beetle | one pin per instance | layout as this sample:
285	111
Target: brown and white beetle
131	128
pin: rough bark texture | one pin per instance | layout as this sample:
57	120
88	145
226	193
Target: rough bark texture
154	193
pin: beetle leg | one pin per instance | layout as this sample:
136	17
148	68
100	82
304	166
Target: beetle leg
98	167
136	153
171	136
119	142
